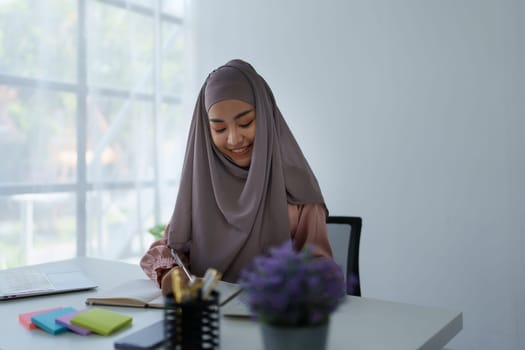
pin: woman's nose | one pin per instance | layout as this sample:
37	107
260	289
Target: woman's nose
234	137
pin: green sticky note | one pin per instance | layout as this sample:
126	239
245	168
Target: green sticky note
101	321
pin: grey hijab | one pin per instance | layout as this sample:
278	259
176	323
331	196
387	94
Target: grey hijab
225	215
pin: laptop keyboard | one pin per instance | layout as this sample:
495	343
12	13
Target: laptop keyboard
20	281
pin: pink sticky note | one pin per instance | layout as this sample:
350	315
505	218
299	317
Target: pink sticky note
25	318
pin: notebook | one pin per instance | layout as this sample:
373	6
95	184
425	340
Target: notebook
144	293
41	280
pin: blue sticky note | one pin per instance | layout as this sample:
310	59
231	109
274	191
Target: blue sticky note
47	320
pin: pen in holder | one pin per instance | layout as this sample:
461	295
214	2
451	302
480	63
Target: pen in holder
192	324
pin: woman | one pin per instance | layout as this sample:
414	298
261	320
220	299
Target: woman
245	183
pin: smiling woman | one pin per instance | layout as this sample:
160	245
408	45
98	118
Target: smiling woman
245	185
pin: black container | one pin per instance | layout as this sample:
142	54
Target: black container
193	324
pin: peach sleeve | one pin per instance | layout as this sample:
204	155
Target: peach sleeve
308	226
158	259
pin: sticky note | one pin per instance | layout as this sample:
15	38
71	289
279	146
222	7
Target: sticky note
101	321
65	320
25	318
47	320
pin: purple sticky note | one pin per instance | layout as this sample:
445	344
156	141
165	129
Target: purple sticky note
65	320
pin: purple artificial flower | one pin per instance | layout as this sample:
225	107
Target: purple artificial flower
293	288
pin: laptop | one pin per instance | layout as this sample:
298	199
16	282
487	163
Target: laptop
35	280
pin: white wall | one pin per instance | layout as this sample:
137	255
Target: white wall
410	114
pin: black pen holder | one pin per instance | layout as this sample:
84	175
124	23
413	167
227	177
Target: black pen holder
193	324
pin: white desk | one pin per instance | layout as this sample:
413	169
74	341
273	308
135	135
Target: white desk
360	323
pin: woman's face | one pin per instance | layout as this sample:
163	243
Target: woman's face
232	124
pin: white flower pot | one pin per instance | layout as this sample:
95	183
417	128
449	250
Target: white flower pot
292	338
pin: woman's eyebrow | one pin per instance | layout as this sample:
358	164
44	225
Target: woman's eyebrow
240	115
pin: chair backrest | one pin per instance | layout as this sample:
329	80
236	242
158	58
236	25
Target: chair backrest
344	234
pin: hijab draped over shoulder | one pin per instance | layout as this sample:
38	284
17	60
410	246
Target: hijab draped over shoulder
225	215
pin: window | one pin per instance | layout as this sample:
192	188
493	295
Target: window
91	129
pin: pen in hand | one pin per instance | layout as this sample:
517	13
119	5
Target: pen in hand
179	262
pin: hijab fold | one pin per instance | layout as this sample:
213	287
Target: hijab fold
225	215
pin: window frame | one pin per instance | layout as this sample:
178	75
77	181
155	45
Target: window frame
81	187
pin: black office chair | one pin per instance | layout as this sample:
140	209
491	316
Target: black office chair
344	233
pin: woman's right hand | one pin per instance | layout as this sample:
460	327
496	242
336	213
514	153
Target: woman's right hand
166	282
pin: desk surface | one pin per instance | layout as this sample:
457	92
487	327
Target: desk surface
360	323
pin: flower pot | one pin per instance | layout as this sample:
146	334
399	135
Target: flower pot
291	338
